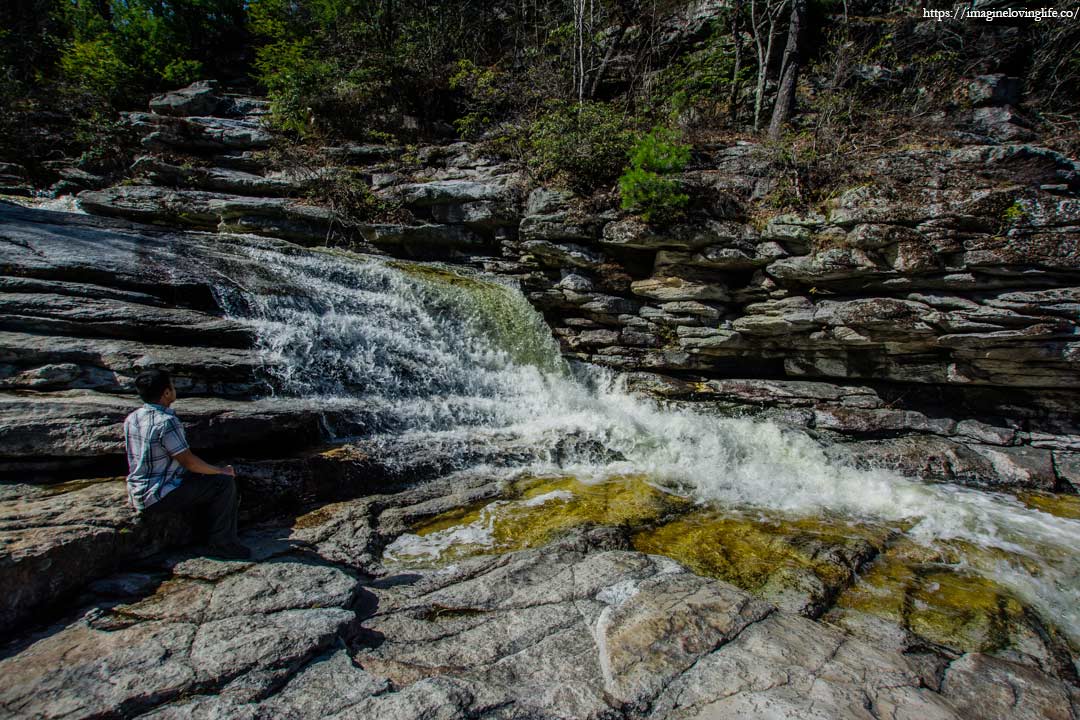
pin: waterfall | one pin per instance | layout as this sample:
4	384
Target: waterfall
454	358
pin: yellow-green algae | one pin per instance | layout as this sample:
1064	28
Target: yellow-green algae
759	553
498	311
936	593
517	521
1062	506
941	593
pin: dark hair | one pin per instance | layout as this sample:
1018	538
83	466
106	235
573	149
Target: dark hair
152	384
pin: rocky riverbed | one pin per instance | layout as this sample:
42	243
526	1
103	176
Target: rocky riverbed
748	521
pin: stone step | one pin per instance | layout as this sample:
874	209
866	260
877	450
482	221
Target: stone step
207	210
220	179
56	314
62	429
55	362
200	134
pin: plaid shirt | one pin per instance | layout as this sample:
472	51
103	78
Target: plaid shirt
153	437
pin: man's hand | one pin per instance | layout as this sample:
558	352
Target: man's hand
195	464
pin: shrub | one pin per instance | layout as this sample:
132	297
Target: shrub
95	66
696	86
290	76
582	146
645	187
122	49
486	93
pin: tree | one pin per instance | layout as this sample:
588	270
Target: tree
764	15
789	71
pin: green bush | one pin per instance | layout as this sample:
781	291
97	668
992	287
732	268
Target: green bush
697	85
645	187
486	93
95	66
120	50
581	146
290	77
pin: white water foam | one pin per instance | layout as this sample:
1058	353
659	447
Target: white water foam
459	362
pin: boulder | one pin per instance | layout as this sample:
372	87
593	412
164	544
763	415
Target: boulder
1003	123
931	457
198	98
675	289
53	544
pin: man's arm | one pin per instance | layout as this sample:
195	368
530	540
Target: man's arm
175	443
196	464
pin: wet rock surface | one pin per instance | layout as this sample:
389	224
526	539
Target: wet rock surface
318	626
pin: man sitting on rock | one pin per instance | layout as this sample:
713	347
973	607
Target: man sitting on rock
165	476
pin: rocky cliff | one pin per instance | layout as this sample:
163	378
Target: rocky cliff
929	310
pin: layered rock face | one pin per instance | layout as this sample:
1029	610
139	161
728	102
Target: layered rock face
928	310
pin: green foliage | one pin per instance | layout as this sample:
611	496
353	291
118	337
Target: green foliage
350	198
1014	213
700	80
486	93
581	146
645	187
290	76
95	66
349	67
120	49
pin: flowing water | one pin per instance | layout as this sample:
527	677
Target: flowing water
452	359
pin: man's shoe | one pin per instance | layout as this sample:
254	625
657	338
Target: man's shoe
228	551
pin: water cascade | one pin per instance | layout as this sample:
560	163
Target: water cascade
455	359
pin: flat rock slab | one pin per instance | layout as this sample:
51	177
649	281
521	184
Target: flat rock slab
78	423
579	628
53	542
246	629
59	362
86	252
108	317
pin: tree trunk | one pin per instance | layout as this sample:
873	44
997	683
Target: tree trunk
765	26
789	72
733	94
606	61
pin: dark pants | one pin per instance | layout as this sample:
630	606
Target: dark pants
209	497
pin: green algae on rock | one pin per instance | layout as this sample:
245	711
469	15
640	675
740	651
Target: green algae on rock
944	596
1062	506
533	511
798	563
